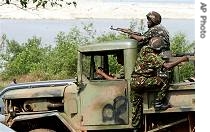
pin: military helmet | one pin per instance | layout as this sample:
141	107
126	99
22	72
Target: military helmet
156	43
155	17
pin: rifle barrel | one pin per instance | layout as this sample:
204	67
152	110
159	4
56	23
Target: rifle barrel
183	54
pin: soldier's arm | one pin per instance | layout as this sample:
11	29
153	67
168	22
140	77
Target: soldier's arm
169	65
108	77
137	37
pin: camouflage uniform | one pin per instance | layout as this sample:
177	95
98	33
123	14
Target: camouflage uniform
143	76
157	31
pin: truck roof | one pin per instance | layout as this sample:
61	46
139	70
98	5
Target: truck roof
109	45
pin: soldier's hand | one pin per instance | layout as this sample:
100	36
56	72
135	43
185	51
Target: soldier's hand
185	58
131	36
99	71
125	30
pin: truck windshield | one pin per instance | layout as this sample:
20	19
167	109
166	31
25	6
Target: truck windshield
108	62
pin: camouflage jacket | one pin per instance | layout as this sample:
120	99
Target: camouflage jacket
145	70
147	62
157	31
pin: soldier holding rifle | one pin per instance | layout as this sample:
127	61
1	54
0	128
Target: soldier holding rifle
156	34
155	29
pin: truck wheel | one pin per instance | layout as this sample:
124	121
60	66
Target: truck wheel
42	130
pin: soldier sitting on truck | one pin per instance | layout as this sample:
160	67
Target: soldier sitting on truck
145	74
120	74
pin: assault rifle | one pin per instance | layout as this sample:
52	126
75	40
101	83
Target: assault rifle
191	56
127	31
183	54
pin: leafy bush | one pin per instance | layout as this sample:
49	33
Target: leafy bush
22	59
60	61
179	44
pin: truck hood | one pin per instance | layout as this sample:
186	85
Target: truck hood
37	90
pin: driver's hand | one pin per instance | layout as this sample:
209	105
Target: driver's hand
99	71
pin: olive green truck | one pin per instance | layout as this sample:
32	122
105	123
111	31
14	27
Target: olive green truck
88	103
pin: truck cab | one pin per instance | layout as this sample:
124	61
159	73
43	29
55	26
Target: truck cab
105	102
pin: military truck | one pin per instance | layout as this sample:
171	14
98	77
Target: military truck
91	103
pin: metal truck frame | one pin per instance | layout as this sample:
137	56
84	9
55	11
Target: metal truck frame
89	103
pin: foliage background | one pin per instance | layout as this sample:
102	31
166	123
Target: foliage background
30	61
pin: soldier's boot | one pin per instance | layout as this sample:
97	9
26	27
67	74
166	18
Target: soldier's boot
159	105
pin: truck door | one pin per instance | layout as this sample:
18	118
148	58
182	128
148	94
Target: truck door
105	102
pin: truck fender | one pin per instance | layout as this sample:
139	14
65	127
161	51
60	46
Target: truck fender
25	117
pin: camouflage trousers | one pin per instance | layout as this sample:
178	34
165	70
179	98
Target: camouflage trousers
140	83
137	109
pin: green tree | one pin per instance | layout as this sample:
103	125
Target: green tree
179	44
22	59
60	61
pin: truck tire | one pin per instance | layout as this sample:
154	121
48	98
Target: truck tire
42	130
